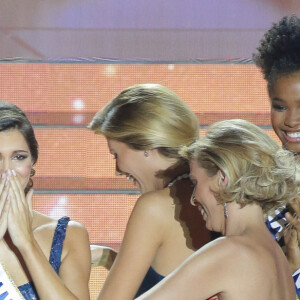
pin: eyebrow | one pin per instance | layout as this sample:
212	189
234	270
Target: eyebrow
21	151
277	99
282	100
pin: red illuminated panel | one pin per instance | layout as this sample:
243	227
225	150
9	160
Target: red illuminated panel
61	100
72	93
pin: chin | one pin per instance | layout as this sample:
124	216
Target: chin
294	147
208	226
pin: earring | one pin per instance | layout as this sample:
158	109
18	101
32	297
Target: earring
32	172
146	153
222	178
225	210
193	200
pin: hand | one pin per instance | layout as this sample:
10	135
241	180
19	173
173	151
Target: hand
292	236
102	256
4	204
20	214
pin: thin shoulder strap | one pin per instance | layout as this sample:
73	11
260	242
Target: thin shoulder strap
57	243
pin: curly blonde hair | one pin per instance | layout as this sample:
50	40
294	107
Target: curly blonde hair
258	169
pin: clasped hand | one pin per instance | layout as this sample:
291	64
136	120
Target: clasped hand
292	236
15	210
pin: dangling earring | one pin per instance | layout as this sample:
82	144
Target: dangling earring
225	210
146	153
32	172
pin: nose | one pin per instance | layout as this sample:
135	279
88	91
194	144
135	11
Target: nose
4	166
193	198
292	118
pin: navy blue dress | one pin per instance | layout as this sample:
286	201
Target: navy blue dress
28	290
150	280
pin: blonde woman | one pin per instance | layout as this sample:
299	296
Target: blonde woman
145	126
239	173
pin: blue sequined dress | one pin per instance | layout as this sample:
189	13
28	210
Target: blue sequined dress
28	290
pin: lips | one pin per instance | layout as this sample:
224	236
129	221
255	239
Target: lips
292	136
131	178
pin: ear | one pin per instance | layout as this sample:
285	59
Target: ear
223	179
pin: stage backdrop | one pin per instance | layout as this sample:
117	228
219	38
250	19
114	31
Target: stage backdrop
75	173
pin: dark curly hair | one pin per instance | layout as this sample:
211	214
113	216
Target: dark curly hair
279	50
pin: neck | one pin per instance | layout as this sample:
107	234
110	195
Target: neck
175	171
240	220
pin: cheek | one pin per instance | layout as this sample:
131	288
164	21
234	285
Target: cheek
276	119
24	173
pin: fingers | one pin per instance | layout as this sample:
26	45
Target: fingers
15	189
4	189
29	200
295	204
291	238
292	248
293	220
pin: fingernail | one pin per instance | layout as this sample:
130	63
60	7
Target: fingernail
14	172
9	172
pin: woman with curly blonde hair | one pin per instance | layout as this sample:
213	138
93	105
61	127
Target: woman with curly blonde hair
240	173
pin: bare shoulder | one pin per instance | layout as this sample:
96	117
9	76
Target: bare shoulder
228	250
44	228
240	254
43	222
155	204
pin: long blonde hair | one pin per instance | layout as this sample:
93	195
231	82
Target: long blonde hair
148	116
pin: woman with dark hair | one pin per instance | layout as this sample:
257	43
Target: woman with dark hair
278	57
27	237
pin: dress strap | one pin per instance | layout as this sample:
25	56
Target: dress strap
57	243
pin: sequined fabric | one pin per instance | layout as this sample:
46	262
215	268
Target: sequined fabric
28	290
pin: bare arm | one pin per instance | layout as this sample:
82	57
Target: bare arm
198	277
143	236
72	282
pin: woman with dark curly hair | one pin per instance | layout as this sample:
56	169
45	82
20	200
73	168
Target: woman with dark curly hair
239	173
278	57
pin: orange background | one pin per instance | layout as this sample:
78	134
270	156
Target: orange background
75	172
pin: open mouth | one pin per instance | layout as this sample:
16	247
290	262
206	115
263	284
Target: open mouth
131	178
292	136
202	210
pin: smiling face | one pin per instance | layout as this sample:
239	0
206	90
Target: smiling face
135	165
205	197
285	110
15	155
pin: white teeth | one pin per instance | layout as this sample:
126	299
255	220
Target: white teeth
129	177
293	134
